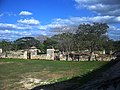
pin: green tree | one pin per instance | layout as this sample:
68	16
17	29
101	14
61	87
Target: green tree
116	45
26	43
6	46
92	36
65	41
42	47
50	43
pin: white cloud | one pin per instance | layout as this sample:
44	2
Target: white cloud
78	20
63	24
15	31
51	26
70	24
4	26
56	23
114	32
7	26
29	21
7	14
109	11
25	13
13	35
103	7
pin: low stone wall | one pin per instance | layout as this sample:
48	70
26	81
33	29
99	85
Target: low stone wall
24	54
14	54
103	57
42	56
84	57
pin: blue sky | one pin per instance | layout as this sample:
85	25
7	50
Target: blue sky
20	18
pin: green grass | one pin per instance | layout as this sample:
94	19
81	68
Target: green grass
13	71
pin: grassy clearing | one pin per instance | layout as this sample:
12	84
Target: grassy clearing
18	74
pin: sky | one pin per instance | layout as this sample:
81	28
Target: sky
22	18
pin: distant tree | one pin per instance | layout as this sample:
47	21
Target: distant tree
116	45
92	35
50	43
42	47
108	46
6	46
65	41
26	42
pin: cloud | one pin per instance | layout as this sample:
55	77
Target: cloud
65	29
114	32
5	26
75	21
60	25
32	27
7	14
25	13
108	11
10	14
15	31
102	7
29	21
49	26
56	23
13	35
69	25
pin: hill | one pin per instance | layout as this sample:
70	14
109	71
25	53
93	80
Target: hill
41	38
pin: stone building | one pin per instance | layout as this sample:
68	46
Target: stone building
50	53
0	50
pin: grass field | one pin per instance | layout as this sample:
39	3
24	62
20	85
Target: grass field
17	74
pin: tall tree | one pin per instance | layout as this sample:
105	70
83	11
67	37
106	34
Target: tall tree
92	35
65	41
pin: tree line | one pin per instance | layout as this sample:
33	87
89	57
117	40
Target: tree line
87	36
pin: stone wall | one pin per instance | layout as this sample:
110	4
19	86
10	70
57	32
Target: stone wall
0	50
14	54
50	55
42	56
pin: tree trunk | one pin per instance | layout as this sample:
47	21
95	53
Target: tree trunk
78	49
96	58
91	52
89	58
